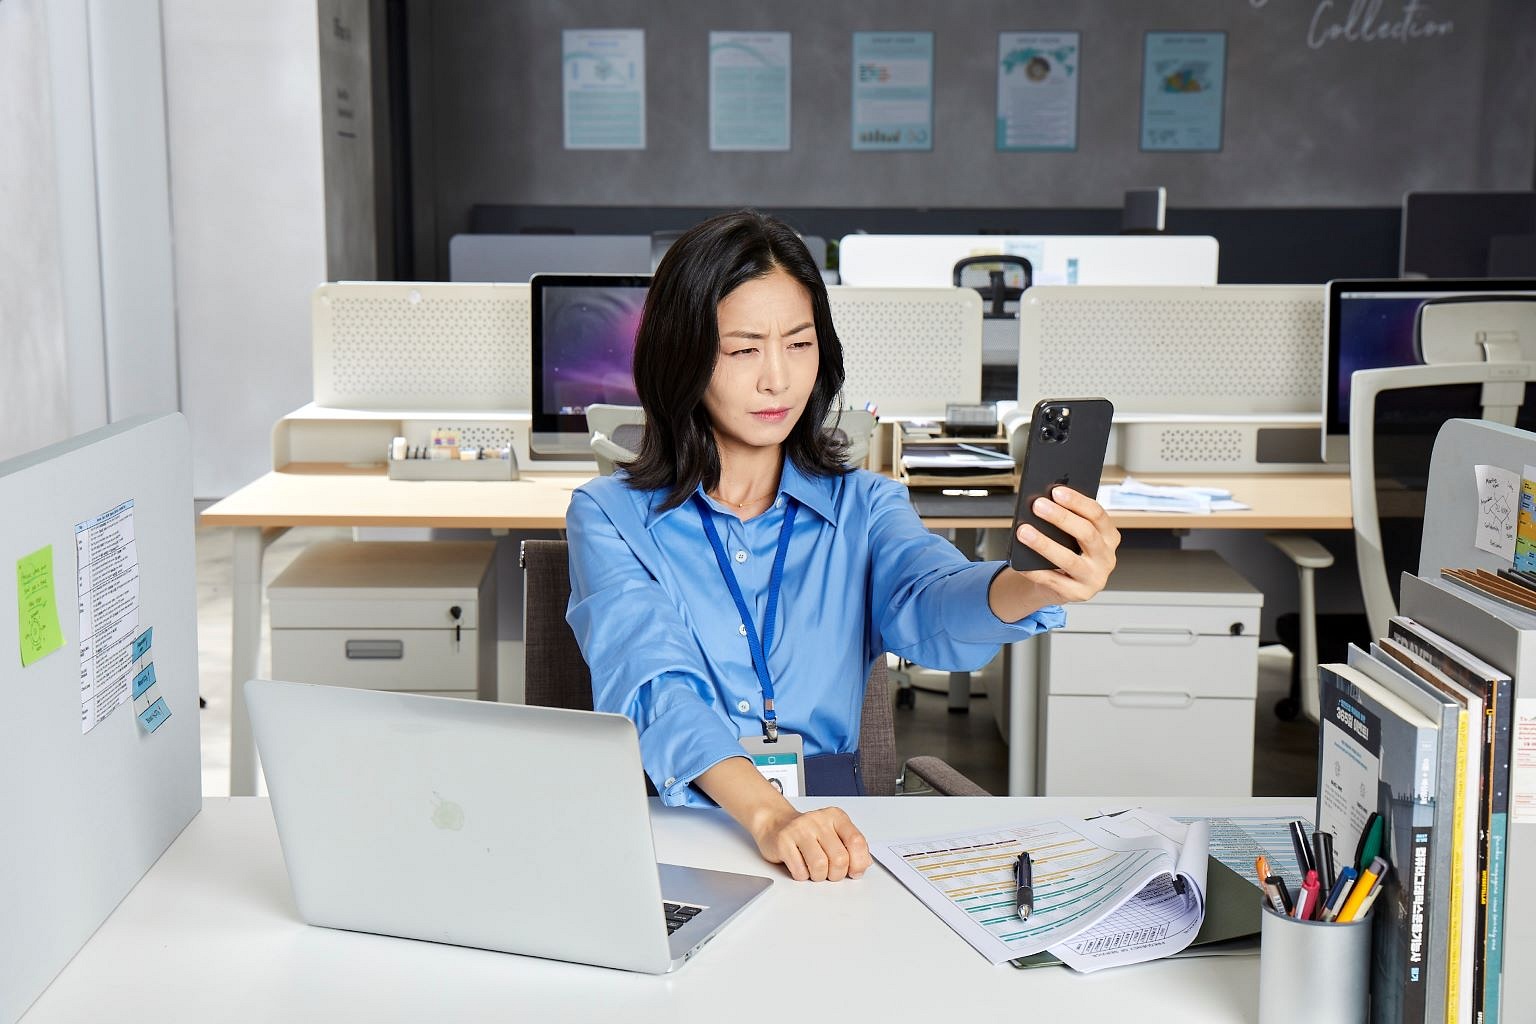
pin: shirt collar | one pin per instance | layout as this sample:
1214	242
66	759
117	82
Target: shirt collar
817	493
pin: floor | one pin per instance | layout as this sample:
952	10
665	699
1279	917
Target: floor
1285	753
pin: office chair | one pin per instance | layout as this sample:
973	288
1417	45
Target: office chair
557	676
618	429
996	292
1390	440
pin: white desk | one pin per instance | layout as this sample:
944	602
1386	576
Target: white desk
211	933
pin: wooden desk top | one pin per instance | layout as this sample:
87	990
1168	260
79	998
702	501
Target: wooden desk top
325	494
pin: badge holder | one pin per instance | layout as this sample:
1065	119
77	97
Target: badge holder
781	761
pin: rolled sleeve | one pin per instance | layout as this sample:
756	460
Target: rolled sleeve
930	603
643	661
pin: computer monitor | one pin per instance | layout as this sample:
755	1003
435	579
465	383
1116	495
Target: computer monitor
582	354
1370	324
1469	234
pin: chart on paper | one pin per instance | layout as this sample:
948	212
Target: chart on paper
1076	881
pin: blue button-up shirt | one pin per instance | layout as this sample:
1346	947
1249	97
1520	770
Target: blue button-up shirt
662	636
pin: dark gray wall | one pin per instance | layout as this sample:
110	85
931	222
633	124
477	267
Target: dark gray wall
1346	123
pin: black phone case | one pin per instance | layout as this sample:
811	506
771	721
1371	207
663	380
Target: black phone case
1076	461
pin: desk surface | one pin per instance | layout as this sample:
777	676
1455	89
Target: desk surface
211	933
333	495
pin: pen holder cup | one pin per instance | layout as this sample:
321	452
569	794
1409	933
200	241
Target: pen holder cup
1313	971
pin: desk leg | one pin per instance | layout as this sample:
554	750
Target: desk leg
1023	716
245	646
960	682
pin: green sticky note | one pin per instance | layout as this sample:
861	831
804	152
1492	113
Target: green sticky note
40	633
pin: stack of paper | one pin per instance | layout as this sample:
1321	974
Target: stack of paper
1116	891
1131	495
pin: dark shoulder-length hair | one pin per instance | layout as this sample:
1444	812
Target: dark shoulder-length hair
678	343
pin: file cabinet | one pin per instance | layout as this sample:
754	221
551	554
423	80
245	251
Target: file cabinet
416	616
1150	687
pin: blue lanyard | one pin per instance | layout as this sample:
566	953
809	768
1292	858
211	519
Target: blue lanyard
775	579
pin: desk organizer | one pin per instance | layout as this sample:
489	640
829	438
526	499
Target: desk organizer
453	469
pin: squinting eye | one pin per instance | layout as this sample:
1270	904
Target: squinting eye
743	352
802	344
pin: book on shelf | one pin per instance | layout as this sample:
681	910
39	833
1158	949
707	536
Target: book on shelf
1502	637
1449	713
1378	753
1462	946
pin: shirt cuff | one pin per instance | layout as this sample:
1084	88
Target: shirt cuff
681	744
968	592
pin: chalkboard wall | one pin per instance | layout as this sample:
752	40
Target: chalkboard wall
1317	115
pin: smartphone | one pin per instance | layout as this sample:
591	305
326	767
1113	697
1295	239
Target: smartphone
1067	441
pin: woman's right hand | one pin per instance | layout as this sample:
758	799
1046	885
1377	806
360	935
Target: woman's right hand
822	845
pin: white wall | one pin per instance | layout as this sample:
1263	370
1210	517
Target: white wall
243	115
34	395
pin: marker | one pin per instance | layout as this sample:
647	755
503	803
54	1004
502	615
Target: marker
1339	893
1261	866
1322	853
1024	886
1370	841
1306	901
1272	893
1285	894
1369	880
1299	842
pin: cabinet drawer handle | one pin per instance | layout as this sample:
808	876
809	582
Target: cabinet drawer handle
1150	699
1153	636
375	650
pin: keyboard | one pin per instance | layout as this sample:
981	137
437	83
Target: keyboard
679	914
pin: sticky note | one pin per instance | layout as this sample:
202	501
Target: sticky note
144	680
142	642
39	612
154	716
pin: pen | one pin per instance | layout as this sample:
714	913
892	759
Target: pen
1322	853
1365	907
1370	841
1339	893
1370	879
1261	865
1299	842
1272	893
1285	894
1024	882
1306	900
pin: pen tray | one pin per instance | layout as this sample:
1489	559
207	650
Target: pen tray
452	469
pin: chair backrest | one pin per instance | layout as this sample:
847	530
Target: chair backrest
557	675
1392	427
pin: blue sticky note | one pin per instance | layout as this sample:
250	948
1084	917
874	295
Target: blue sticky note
154	716
142	642
144	680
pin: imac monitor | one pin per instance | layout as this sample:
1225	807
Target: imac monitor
1372	324
583	354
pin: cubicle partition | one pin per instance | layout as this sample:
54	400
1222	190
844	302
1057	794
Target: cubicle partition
99	742
929	260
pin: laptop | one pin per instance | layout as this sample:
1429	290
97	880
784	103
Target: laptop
498	826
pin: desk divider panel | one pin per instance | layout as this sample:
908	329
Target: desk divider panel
86	813
1222	350
909	350
890	261
423	345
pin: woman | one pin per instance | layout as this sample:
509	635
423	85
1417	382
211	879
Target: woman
738	580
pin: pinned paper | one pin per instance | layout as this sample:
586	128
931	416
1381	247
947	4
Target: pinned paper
37	609
154	716
142	643
1498	507
144	680
107	579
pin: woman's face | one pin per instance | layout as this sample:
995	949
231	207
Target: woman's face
767	363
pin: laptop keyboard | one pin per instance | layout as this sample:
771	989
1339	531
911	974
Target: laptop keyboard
679	914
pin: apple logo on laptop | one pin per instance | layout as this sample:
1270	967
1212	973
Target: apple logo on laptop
446	814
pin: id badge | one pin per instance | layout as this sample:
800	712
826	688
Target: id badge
782	763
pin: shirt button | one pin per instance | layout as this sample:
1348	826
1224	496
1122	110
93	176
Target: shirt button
742	629
669	783
780	502
743	706
741	556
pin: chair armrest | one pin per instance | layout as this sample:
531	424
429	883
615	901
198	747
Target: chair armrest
1306	552
944	779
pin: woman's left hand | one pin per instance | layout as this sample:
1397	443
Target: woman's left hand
1077	577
